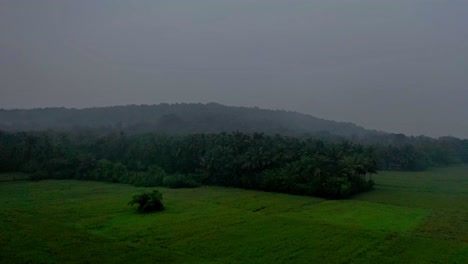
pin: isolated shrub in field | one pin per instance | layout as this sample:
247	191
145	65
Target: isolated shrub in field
148	202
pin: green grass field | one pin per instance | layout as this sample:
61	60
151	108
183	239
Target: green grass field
408	218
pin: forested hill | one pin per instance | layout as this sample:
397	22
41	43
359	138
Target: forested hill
176	119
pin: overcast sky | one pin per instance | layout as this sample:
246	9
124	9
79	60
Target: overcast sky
396	65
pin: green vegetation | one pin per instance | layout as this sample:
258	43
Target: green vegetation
410	217
122	128
174	119
251	161
148	202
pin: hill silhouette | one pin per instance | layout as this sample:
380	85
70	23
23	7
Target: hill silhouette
180	118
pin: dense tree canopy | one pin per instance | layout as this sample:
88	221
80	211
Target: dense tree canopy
174	119
256	161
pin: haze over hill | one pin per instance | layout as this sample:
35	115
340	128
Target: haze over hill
391	65
176	118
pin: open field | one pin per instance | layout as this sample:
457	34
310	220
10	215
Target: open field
409	218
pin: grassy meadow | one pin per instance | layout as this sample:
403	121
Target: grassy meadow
417	217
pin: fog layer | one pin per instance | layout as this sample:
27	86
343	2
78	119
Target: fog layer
398	66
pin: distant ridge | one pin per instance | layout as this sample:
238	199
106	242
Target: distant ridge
179	118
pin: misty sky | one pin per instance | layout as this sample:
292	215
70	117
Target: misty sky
396	65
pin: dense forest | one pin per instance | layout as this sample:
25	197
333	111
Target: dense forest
186	145
333	168
176	119
253	161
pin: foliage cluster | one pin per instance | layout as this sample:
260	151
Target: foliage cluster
148	201
253	161
420	153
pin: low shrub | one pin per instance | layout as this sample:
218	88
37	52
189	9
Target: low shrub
148	202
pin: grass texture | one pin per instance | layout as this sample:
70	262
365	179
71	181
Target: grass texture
410	217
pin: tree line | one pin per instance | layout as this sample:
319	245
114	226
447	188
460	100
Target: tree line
252	161
335	169
420	153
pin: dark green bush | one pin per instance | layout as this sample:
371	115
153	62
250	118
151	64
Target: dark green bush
148	202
